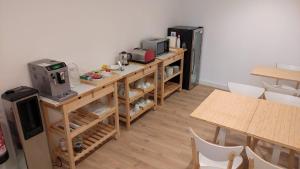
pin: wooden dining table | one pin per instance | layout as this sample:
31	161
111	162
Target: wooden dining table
271	122
227	110
276	73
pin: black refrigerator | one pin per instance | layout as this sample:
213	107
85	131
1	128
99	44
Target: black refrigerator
191	39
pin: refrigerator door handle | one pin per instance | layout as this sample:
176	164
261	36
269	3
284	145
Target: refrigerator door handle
193	53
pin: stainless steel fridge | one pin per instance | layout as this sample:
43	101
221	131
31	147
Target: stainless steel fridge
191	39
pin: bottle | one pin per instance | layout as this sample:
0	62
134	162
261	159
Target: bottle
178	42
3	150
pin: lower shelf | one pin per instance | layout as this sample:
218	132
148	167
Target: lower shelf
91	140
170	87
82	121
137	114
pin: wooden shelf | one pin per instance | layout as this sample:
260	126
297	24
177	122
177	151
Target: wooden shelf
83	116
165	86
171	77
137	114
141	93
91	140
149	89
170	87
84	120
146	108
149	74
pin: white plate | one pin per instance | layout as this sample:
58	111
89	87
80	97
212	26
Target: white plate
114	67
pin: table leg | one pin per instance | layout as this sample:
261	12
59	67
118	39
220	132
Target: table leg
155	90
68	139
216	135
116	116
292	159
249	141
253	143
127	104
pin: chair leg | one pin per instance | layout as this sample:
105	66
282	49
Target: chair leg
222	136
195	155
276	154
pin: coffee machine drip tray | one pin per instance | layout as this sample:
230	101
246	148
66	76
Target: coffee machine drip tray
63	97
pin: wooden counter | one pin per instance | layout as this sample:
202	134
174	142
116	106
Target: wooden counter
166	85
133	73
94	129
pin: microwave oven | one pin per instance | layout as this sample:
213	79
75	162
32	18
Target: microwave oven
158	45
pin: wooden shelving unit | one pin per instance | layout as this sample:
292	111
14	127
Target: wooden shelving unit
95	128
92	139
166	86
148	71
169	88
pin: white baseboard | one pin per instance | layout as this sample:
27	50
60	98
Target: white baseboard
213	84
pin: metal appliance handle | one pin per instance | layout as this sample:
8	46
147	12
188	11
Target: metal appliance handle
193	69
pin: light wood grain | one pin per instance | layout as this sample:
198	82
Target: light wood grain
87	123
164	88
277	123
160	140
274	72
148	71
227	110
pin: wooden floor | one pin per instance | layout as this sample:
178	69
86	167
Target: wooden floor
159	139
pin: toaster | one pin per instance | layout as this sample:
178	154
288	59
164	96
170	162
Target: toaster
142	56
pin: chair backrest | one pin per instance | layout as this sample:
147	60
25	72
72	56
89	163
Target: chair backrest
259	163
246	90
282	98
288	67
278	89
212	151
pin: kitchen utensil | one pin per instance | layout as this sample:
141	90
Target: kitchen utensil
62	145
106	74
169	71
142	55
74	74
114	67
78	144
176	69
172	41
125	58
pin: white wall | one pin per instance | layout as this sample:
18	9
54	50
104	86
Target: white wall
89	33
240	34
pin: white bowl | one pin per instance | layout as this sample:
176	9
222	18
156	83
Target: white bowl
106	74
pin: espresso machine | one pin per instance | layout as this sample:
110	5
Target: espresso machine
26	136
51	78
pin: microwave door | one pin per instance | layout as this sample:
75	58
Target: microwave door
160	48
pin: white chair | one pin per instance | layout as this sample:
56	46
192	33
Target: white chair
209	155
288	67
281	89
246	90
284	99
242	89
256	162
